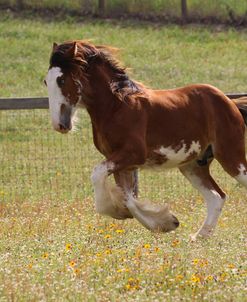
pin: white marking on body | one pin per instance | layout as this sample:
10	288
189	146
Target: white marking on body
174	158
56	98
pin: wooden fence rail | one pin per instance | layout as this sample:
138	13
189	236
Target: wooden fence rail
24	103
42	102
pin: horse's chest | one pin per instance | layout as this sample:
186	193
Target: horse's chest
101	143
173	156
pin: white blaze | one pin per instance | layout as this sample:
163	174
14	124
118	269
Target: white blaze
56	98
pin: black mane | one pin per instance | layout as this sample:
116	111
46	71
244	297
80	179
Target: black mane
89	54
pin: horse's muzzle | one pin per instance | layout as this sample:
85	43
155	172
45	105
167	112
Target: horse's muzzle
64	128
64	124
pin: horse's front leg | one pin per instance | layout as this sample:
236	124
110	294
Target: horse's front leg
110	199
127	180
122	203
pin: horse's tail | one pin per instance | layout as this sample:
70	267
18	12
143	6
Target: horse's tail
241	103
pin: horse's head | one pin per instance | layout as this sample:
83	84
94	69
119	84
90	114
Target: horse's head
72	80
64	84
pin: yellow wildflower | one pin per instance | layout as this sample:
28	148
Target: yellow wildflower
89	226
72	263
200	262
119	231
203	262
179	277
45	255
175	243
195	278
122	270
243	273
68	246
230	265
76	271
107	236
147	246
223	276
195	261
209	278
132	284
108	252
112	225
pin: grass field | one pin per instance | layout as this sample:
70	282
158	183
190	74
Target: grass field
53	247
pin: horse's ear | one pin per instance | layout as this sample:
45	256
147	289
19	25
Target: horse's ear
72	51
54	47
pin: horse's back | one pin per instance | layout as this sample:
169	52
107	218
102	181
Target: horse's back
184	122
199	104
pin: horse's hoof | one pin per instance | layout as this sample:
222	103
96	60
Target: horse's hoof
197	236
193	237
175	221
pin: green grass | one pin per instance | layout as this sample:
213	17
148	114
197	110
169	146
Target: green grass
160	56
53	247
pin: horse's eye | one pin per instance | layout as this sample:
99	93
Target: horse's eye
45	83
60	81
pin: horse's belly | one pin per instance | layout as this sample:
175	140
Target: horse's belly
171	157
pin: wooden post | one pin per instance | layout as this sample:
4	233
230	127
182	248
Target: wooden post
102	7
20	4
184	10
86	6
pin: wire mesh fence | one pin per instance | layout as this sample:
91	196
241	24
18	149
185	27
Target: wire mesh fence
38	163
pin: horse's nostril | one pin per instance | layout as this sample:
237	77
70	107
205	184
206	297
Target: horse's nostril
62	127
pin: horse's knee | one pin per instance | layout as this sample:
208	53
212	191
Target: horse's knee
100	172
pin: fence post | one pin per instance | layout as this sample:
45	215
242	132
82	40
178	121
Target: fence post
101	7
20	4
86	6
184	10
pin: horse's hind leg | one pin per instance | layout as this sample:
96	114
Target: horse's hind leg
234	162
214	197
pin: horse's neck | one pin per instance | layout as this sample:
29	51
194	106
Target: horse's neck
103	102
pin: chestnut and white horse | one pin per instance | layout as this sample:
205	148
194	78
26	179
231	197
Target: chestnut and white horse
134	127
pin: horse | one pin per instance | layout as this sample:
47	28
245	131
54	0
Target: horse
137	127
